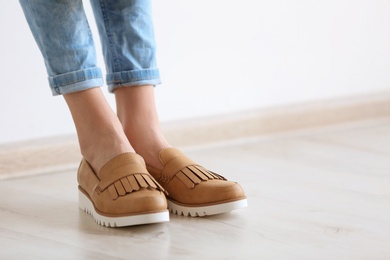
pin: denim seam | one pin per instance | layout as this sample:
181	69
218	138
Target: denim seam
131	80
59	92
126	76
76	81
109	36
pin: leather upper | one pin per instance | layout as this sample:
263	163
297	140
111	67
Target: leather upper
122	187
190	184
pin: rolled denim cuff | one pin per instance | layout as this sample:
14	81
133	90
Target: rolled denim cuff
132	78
76	81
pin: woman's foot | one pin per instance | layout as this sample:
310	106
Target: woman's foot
114	185
122	194
192	189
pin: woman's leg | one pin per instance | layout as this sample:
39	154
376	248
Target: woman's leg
61	30
126	32
62	33
127	36
114	185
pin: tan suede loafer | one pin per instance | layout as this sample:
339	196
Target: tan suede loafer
122	194
193	190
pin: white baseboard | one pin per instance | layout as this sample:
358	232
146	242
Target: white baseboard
279	119
62	153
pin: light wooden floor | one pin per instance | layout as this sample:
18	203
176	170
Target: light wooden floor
317	195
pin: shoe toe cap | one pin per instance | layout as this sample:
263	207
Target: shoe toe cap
208	192
139	202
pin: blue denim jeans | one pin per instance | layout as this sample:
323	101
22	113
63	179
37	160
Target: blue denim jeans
64	38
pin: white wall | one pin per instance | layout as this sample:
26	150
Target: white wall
218	57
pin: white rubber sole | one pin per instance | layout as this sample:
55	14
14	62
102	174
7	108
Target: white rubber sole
86	205
206	210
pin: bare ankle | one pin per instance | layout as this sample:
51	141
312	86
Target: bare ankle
148	144
99	148
137	112
99	130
